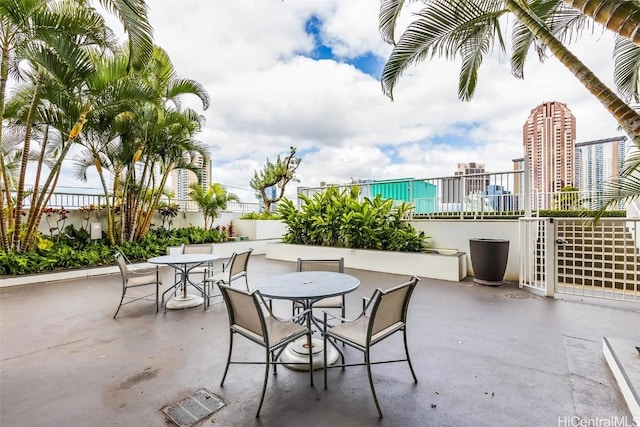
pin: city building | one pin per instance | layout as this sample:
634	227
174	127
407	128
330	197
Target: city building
451	187
549	136
597	162
183	178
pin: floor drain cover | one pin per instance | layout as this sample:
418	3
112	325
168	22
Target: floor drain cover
519	295
194	408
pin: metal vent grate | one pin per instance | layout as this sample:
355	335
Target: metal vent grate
194	408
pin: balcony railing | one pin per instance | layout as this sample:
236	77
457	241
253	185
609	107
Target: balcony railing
485	195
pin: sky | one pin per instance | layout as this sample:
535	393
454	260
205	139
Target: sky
305	73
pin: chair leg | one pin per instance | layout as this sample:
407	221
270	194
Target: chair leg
406	350
264	386
228	358
246	282
373	390
124	291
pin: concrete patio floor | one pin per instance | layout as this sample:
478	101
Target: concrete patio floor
484	356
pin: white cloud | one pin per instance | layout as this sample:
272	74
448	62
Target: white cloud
266	96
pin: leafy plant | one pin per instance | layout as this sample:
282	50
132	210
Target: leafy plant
261	215
339	219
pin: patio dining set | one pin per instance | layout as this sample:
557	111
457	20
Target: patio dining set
316	285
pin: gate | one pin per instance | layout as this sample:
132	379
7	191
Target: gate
573	256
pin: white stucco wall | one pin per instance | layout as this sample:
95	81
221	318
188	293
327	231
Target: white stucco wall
455	234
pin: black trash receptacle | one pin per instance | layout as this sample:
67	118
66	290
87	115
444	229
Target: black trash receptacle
489	260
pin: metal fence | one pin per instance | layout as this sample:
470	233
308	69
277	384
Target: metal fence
484	195
73	201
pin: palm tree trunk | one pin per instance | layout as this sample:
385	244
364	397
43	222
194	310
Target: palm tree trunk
36	182
35	212
619	16
103	181
6	220
156	201
628	118
23	165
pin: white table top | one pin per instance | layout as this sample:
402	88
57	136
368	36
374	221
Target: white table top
183	259
307	285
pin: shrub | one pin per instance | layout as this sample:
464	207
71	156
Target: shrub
261	215
338	219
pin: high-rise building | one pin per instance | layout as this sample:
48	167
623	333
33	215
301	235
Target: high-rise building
597	162
183	178
451	190
549	136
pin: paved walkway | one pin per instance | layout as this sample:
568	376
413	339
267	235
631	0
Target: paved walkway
483	356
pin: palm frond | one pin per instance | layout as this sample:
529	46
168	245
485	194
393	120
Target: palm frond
626	55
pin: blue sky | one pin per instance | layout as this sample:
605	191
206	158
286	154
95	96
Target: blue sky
368	62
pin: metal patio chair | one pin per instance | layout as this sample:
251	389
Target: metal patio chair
335	265
233	269
131	278
387	315
250	317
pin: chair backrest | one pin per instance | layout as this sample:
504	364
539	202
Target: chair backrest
122	265
175	250
389	307
336	265
199	249
244	311
238	263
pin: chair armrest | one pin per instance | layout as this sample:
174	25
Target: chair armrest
138	272
329	316
300	315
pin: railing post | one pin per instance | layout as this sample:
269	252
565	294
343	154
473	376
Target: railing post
549	257
526	180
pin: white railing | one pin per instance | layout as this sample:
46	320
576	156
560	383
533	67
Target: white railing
485	195
74	201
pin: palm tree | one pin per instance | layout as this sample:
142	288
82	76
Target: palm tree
470	29
211	200
55	37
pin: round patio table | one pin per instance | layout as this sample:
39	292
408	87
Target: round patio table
184	263
307	287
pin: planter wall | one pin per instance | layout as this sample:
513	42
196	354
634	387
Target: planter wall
456	234
258	229
429	265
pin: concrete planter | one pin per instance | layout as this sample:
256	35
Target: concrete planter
259	229
428	265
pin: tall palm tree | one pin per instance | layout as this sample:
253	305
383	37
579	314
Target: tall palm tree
53	36
211	200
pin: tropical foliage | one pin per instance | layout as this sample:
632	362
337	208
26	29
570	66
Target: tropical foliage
275	175
73	249
339	219
76	90
211	201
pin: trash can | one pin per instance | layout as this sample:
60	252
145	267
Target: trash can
489	260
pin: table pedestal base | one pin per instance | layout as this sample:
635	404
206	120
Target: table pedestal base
298	352
179	302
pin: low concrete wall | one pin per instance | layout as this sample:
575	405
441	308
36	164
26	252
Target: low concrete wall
456	234
259	229
435	266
